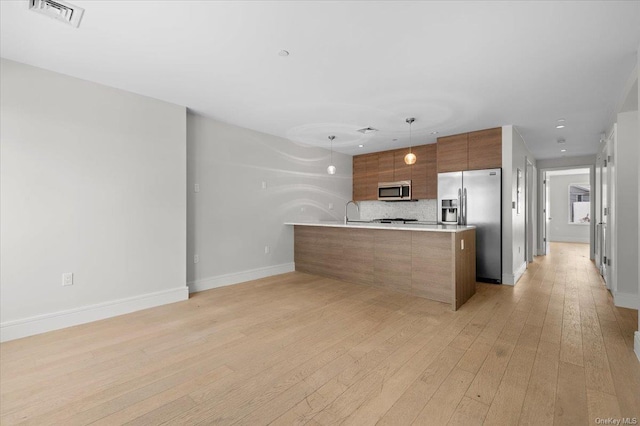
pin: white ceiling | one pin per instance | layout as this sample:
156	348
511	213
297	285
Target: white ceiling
455	66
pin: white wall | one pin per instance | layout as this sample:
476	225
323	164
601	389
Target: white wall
626	210
514	157
637	333
560	229
232	219
92	182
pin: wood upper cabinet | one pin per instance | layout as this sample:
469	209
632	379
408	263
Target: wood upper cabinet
432	171
470	151
365	177
485	149
385	166
424	175
359	177
452	153
389	166
371	180
401	170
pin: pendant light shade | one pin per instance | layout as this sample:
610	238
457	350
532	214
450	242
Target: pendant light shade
410	158
331	169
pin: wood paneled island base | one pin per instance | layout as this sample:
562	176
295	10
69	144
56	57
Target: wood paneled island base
433	265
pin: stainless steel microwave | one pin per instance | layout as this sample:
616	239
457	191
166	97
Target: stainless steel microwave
394	191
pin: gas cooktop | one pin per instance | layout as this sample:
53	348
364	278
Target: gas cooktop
394	220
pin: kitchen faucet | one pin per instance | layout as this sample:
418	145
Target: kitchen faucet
346	214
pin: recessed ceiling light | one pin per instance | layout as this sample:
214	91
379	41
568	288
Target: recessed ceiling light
560	124
360	146
434	133
394	140
367	130
58	10
561	141
563	150
283	53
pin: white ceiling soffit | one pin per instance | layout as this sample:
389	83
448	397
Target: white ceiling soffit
567	172
454	66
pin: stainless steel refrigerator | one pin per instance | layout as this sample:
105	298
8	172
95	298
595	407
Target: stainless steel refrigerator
475	198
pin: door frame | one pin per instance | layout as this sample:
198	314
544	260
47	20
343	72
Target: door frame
543	233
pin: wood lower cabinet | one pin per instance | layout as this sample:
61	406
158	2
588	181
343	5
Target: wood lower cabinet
421	263
485	149
452	153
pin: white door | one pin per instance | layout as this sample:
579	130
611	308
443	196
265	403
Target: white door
547	213
609	224
604	210
528	206
597	216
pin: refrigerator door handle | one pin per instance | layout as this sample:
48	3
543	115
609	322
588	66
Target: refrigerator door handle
459	206
464	207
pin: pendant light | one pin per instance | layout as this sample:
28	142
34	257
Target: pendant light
331	169
410	158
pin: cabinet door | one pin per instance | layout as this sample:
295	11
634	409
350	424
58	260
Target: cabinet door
485	149
424	174
419	173
401	170
371	180
432	171
452	153
385	166
359	177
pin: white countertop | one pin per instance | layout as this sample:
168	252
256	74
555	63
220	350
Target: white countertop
387	226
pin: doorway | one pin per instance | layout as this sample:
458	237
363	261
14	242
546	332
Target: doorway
568	207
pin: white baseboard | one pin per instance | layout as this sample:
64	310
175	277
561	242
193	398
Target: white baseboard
626	300
508	279
239	277
521	270
636	344
512	279
569	240
11	330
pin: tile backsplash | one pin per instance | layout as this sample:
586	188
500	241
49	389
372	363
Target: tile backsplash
423	210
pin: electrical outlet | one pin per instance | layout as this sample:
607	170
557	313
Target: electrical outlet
266	249
330	206
196	258
67	279
196	187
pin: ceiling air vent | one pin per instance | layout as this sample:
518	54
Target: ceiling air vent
59	10
367	130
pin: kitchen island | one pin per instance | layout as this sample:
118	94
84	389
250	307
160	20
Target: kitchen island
436	262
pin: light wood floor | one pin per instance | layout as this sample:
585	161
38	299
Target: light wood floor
298	349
